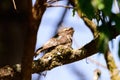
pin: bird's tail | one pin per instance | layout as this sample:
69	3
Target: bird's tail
38	51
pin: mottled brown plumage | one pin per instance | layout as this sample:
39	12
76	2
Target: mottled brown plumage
63	37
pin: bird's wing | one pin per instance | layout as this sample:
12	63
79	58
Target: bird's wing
49	44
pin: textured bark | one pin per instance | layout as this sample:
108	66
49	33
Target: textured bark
112	67
18	31
15	34
12	33
24	42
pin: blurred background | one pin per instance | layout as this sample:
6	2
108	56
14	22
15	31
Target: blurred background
56	17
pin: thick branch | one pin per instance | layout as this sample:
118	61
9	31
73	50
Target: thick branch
63	55
28	48
112	66
59	56
38	11
91	26
35	17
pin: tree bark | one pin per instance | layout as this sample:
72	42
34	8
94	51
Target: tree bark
17	37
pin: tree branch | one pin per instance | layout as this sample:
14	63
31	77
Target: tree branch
38	11
35	16
61	55
108	56
87	21
111	66
52	5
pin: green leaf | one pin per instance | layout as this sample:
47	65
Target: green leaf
104	5
103	43
118	3
119	50
73	11
104	38
107	6
98	4
116	19
87	8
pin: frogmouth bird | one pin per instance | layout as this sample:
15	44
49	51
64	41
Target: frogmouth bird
63	37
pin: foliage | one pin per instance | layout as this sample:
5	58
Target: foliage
86	8
89	8
107	27
101	10
119	50
116	19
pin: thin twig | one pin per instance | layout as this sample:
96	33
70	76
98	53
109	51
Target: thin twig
97	74
97	63
53	1
14	4
53	5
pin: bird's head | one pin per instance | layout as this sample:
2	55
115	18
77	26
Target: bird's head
66	31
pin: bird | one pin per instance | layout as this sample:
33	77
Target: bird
63	37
